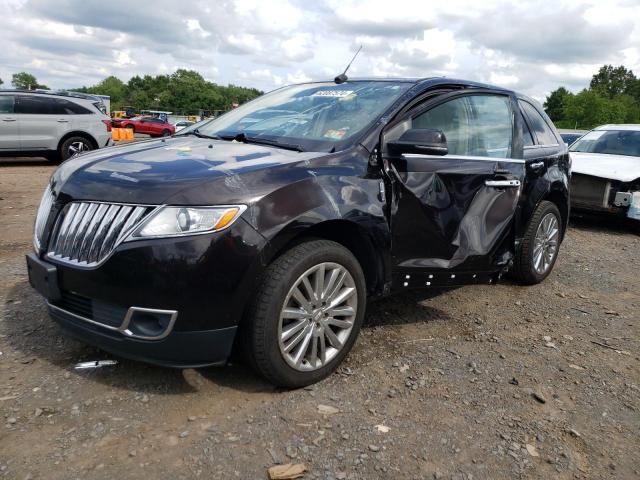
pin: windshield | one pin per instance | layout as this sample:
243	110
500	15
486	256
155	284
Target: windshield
613	142
316	116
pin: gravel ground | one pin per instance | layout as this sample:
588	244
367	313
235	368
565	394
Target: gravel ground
478	382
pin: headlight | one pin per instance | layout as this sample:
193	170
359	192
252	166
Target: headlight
175	221
41	217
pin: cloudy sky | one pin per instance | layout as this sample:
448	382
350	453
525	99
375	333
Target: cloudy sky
531	46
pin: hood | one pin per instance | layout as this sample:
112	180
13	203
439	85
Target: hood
623	168
179	170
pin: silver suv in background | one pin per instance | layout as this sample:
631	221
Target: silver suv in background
57	125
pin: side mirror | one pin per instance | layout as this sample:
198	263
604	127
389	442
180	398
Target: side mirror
428	141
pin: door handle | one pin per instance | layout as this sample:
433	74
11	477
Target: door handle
502	183
9	119
536	165
62	120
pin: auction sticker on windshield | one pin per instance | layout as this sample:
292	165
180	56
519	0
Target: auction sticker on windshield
333	93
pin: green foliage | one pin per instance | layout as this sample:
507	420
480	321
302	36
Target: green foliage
554	105
612	81
183	92
25	81
613	96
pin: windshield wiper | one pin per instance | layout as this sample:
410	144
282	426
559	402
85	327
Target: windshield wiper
198	134
241	137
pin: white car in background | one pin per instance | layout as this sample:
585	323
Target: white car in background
606	170
57	125
182	124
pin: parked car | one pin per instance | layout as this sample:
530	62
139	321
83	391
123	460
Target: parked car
179	125
155	127
57	125
569	137
606	171
270	235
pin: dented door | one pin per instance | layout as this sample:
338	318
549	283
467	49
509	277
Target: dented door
451	215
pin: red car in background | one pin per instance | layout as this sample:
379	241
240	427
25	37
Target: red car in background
155	127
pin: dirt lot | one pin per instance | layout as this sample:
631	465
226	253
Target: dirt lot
482	382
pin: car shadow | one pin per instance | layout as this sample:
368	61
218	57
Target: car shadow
28	330
595	222
25	162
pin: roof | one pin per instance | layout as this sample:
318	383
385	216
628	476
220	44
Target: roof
59	93
620	126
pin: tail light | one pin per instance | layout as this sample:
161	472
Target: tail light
108	124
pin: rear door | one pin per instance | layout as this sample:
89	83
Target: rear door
451	215
41	122
9	134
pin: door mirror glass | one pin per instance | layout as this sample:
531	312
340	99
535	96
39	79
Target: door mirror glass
427	141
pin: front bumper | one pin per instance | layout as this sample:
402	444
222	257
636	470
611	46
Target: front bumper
178	349
198	285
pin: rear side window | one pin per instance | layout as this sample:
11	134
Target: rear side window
62	106
6	103
32	104
475	125
540	128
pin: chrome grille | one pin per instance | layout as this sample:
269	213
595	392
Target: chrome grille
87	232
42	216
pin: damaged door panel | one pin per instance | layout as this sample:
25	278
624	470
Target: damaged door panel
454	204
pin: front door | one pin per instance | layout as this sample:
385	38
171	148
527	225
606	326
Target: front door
451	215
9	134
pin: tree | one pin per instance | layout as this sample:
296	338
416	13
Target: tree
612	81
25	81
554	104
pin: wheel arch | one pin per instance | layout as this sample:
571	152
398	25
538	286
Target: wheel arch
353	236
78	133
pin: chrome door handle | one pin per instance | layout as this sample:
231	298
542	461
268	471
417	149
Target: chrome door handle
536	165
9	119
502	183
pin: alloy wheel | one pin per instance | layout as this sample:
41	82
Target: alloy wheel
317	316
77	147
545	245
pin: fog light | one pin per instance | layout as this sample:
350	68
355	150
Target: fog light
148	323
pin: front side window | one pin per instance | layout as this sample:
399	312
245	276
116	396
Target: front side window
6	103
474	125
612	142
316	116
540	128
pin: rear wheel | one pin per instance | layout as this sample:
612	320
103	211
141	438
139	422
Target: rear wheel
306	315
538	250
73	146
166	133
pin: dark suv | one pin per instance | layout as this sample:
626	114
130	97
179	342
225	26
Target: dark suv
269	227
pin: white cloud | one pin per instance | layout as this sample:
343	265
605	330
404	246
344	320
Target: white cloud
531	46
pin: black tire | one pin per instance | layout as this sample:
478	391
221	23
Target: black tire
65	150
523	269
166	133
260	330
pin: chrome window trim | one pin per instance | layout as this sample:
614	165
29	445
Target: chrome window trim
124	326
462	157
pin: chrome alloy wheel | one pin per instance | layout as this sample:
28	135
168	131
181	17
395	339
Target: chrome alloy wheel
317	316
545	245
77	147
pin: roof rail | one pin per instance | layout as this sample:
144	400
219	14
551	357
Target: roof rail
60	93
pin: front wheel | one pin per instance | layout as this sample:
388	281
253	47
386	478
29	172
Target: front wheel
538	251
306	315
